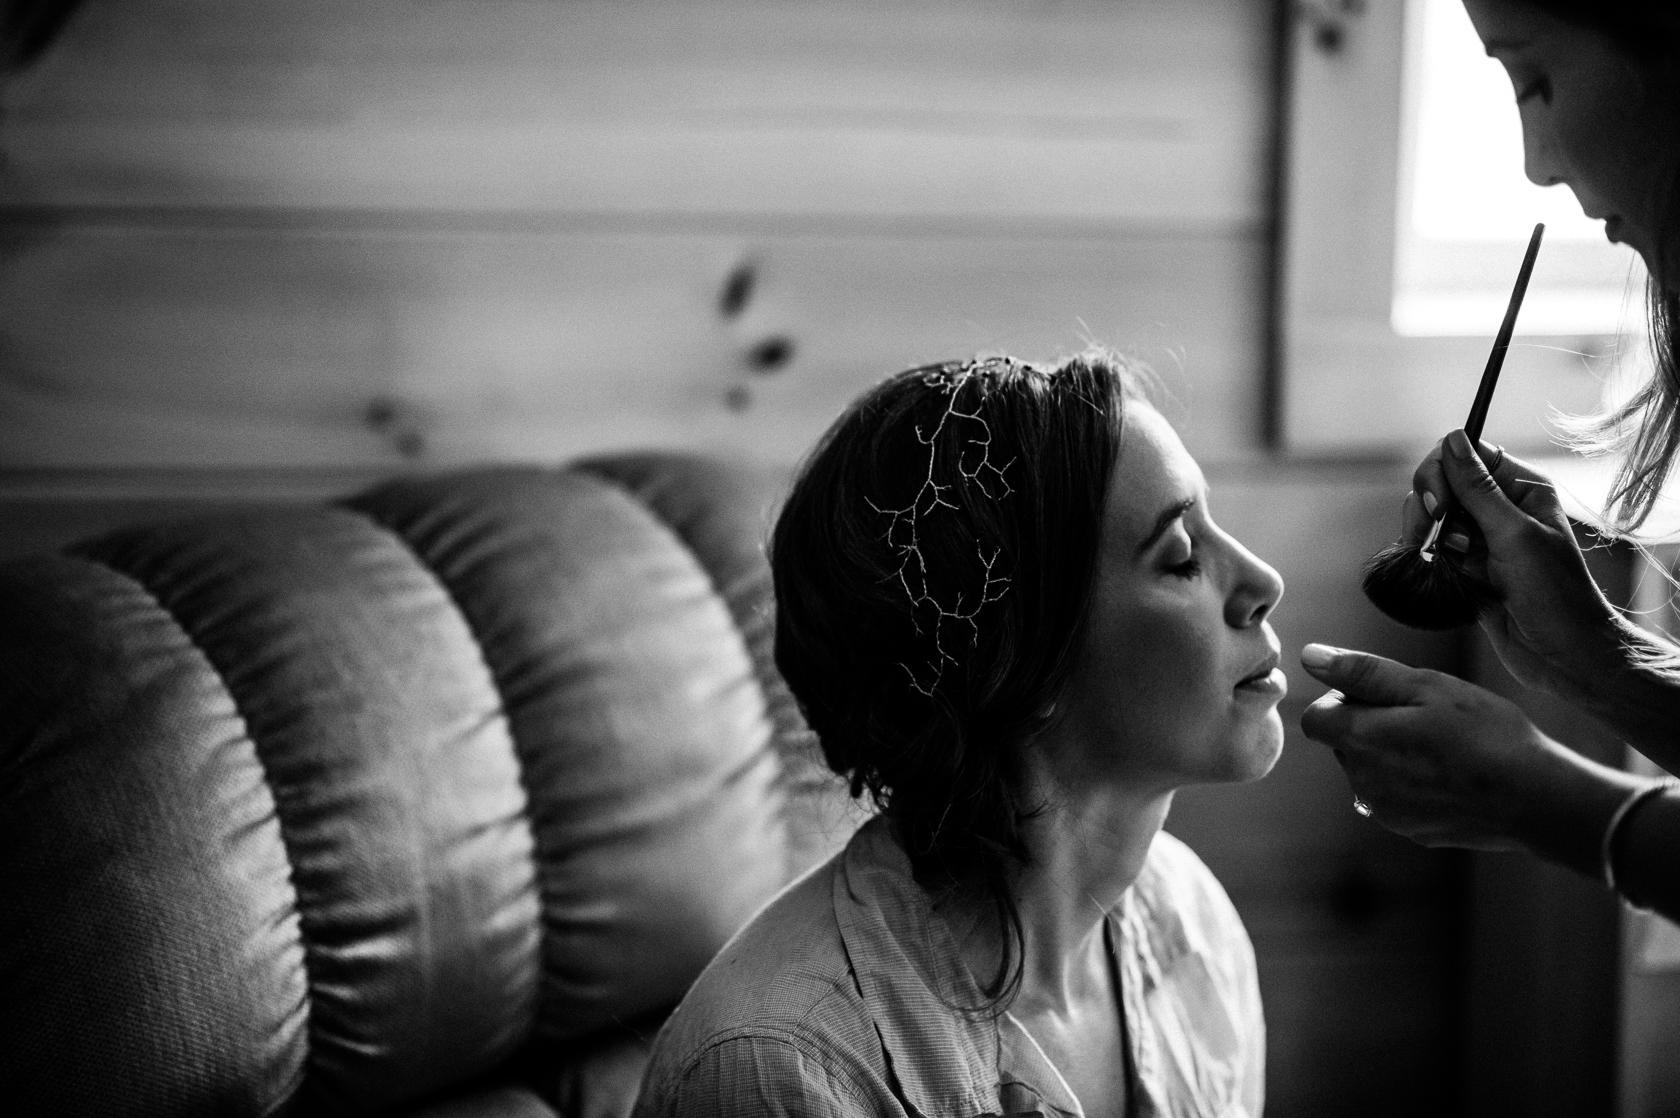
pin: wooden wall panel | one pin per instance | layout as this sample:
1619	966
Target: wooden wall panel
168	345
1128	111
297	233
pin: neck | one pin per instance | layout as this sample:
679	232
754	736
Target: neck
1087	849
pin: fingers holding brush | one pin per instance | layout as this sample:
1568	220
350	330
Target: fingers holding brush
1434	494
1421	583
1505	495
1551	626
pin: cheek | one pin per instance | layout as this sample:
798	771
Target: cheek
1611	148
1164	692
1163	672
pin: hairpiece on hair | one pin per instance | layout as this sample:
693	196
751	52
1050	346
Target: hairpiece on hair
974	464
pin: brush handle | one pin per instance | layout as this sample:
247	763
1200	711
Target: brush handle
1502	341
1490	375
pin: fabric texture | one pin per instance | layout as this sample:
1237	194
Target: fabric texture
837	1001
356	809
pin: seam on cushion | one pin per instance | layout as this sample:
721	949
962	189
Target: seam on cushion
496	682
792	777
534	840
524	813
540	852
670	533
670	530
478	652
342	507
607	481
781	781
279	818
617	486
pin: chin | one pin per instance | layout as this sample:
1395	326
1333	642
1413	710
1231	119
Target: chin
1254	754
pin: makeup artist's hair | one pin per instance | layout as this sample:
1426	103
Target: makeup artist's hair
1645	430
934	566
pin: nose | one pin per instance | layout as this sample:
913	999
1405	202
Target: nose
1255	592
1541	162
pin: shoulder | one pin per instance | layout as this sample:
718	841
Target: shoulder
1181	888
1208	977
786	962
757	1073
775	1016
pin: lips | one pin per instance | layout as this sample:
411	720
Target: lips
1262	673
1613	229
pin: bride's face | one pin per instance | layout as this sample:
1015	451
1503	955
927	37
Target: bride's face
1178	679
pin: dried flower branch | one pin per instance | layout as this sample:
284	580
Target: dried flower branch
904	524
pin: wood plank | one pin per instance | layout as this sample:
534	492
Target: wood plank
236	348
1142	111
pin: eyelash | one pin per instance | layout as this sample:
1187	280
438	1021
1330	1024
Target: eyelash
1190	568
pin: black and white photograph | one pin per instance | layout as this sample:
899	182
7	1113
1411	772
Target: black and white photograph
839	558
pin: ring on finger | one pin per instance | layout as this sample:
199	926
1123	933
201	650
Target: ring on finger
1363	808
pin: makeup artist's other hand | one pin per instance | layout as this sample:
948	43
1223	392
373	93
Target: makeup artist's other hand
1441	761
1552	627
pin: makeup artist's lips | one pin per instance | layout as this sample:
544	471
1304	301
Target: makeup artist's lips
1613	229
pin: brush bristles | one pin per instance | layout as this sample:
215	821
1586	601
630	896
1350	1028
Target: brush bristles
1422	594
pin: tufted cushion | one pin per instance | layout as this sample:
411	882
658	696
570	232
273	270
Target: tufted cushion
342	807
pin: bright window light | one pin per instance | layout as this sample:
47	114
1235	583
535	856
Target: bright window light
1466	208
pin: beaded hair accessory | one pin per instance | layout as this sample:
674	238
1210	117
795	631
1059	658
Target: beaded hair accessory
973	465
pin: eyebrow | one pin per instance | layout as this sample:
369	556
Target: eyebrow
1166	520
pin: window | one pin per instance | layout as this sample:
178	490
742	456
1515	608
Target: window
1406	213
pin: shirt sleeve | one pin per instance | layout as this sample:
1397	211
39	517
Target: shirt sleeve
757	1076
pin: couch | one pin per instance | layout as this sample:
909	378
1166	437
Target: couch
431	801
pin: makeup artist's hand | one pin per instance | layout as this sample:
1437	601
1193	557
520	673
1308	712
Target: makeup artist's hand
1446	763
1552	627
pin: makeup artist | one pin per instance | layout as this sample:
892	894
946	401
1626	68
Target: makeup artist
1440	760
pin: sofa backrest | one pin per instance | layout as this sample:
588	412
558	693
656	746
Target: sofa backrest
341	807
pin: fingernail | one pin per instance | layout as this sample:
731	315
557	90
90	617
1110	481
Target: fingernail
1459	443
1319	655
1458	541
1429	502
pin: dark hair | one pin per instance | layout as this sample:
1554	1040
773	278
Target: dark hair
1644	27
933	567
1645	429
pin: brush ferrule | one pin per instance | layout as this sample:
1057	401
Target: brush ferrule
1427	551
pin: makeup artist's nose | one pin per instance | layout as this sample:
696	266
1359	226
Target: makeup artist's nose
1256	592
1540	154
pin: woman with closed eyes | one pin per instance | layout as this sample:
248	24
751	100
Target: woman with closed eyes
1004	605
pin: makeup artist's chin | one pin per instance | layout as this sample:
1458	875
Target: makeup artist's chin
1618	232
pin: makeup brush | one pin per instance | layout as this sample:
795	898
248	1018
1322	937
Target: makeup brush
1423	585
